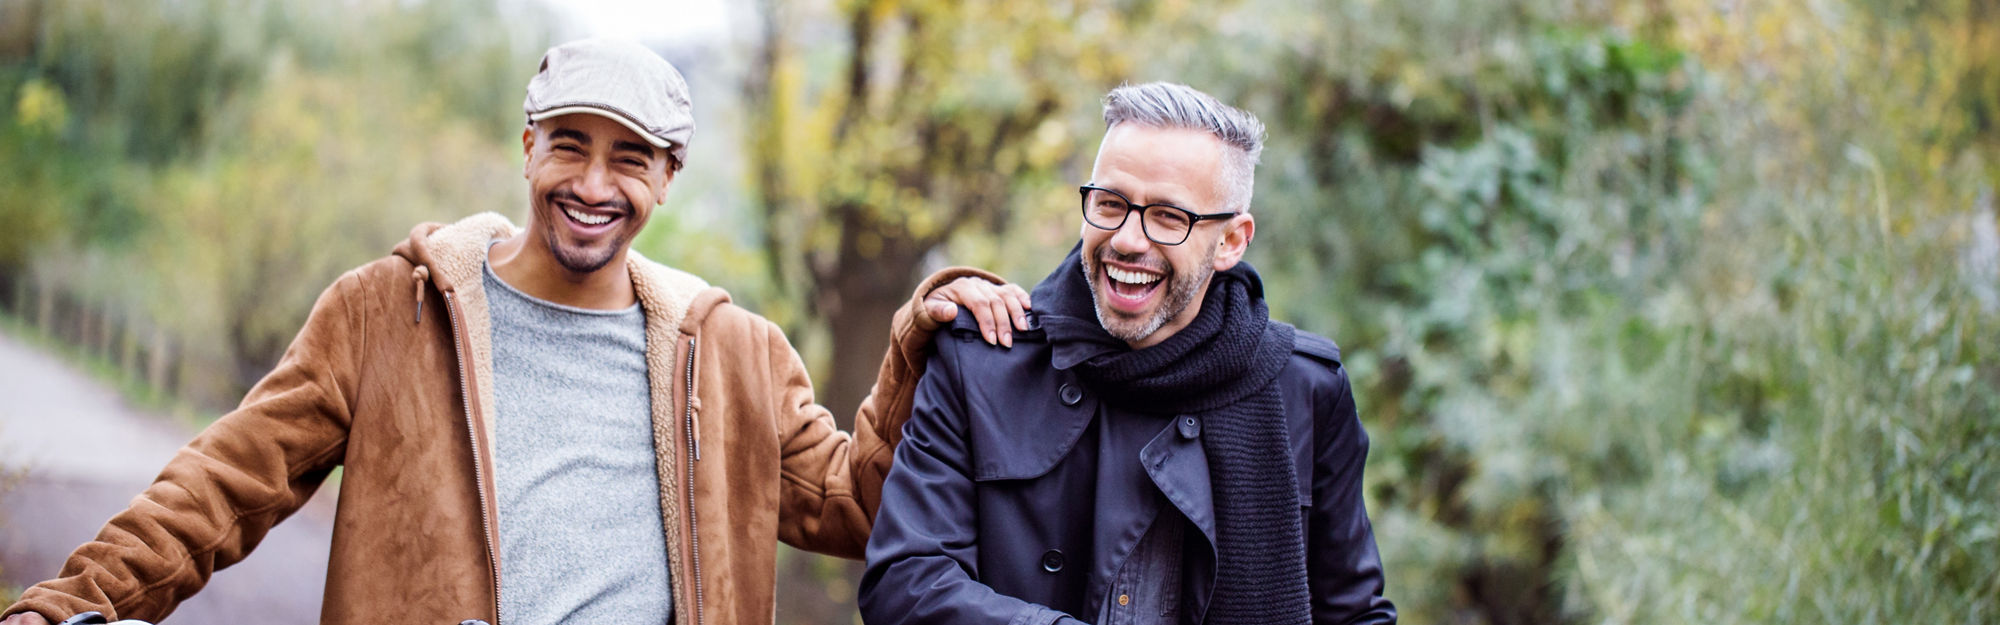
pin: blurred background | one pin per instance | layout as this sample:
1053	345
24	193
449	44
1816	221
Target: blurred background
1664	311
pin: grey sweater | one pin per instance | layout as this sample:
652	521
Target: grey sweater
581	539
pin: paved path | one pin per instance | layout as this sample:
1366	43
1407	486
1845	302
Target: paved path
87	453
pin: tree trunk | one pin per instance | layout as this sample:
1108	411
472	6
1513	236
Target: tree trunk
159	357
45	306
872	278
128	350
10	292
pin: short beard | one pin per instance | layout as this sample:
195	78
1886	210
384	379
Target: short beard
1180	293
582	261
579	260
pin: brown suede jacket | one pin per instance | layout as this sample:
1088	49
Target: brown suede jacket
391	378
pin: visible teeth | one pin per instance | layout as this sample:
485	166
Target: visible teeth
1130	277
588	218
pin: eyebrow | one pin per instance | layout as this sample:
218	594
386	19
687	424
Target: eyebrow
616	146
1158	201
628	146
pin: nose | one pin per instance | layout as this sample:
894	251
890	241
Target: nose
1130	238
596	186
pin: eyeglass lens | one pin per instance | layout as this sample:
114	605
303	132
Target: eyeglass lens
1163	224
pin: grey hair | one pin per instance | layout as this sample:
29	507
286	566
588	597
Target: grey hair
1174	105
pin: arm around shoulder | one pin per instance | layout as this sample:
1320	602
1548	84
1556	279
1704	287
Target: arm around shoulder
878	424
833	479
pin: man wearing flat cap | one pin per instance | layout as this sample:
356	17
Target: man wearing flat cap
537	424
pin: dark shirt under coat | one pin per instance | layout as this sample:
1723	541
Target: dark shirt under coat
1000	510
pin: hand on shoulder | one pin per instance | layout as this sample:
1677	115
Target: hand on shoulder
1000	308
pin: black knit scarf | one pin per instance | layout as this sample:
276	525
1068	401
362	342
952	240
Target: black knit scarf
1222	369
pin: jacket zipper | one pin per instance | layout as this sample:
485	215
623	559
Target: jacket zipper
694	454
478	473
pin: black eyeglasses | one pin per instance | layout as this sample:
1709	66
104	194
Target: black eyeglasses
1164	224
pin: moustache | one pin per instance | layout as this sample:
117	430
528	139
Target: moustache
618	203
1158	265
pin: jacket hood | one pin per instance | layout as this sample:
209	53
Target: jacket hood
453	255
452	258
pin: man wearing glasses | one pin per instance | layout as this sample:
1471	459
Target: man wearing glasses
1155	449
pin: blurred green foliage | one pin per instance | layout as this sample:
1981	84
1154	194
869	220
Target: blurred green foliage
1663	312
208	167
881	140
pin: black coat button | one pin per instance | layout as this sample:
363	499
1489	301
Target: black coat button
1052	560
1190	427
1070	394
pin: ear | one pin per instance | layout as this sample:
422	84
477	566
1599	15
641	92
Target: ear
527	148
660	185
1235	240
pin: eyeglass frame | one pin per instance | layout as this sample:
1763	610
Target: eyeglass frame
1194	218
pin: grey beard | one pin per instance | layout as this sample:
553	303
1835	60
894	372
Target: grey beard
1180	293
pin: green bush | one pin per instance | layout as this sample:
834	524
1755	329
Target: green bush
1650	322
208	168
1584	266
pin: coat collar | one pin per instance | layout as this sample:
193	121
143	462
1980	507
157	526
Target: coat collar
452	258
455	254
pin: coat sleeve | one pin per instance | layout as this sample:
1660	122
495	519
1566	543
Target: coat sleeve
1344	567
220	494
832	481
923	561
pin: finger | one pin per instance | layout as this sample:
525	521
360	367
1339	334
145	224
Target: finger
1016	307
981	297
997	306
1026	301
941	311
987	325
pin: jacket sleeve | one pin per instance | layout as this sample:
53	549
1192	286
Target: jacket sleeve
1344	567
878	423
820	462
923	561
220	494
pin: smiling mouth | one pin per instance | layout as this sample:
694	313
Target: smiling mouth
588	219
1133	287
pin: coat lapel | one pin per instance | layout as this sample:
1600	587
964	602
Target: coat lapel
1177	465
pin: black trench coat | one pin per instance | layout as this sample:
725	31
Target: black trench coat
987	516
